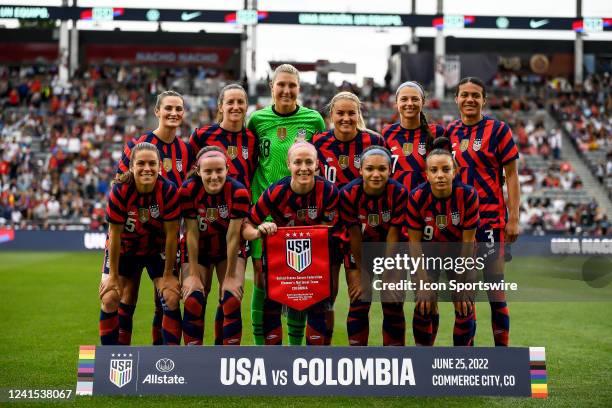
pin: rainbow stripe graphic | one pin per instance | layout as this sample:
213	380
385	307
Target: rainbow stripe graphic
537	370
298	254
85	370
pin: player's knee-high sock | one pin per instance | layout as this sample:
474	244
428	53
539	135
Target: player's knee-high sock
394	324
257	304
219	324
171	325
296	323
500	322
109	328
317	328
126	315
272	327
422	328
232	320
156	329
193	319
358	323
464	329
329	321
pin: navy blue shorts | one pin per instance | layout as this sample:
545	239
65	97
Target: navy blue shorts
129	266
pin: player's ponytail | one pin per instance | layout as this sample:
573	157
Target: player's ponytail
207	151
429	141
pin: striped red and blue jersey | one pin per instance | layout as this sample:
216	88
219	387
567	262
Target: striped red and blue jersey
373	214
241	148
288	208
143	215
176	157
213	212
409	151
339	162
443	219
482	150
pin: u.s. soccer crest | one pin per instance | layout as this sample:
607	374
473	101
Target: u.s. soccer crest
301	134
386	216
223	211
143	214
154	210
120	371
464	145
455	218
441	221
422	148
245	152
299	254
232	152
179	165
343	161
477	144
312	212
357	161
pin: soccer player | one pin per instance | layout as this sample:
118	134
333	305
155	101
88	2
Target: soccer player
213	206
277	127
372	208
301	199
487	155
176	159
441	210
142	212
411	138
230	133
339	152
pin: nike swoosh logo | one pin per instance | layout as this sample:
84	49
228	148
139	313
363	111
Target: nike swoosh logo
190	16
538	23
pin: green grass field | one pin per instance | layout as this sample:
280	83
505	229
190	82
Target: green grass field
49	306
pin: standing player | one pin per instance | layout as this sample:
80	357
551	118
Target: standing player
485	151
301	199
339	152
177	159
231	134
143	213
441	210
277	127
213	206
411	138
373	210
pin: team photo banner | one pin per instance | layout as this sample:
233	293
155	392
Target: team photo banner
296	262
312	371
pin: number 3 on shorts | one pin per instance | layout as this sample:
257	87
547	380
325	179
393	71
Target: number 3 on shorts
491	238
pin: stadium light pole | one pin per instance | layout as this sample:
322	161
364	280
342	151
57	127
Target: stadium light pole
252	30
412	44
243	47
578	49
74	46
64	50
439	56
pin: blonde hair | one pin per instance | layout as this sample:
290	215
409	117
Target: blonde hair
219	117
128	176
351	97
161	96
286	68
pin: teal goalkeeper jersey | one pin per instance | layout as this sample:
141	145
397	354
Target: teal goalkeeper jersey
275	134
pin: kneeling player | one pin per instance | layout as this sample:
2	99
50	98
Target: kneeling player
214	207
142	213
298	200
373	209
441	210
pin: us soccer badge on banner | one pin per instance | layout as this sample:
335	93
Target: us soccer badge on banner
297	265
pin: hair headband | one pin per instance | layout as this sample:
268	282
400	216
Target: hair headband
375	151
212	153
410	84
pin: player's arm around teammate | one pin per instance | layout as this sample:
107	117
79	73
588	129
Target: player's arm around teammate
301	199
441	210
373	209
143	213
277	127
214	207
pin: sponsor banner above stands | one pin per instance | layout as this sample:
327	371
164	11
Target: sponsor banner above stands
312	371
215	57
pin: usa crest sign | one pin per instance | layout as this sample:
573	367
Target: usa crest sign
296	262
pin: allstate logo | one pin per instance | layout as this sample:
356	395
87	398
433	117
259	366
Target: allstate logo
164	365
